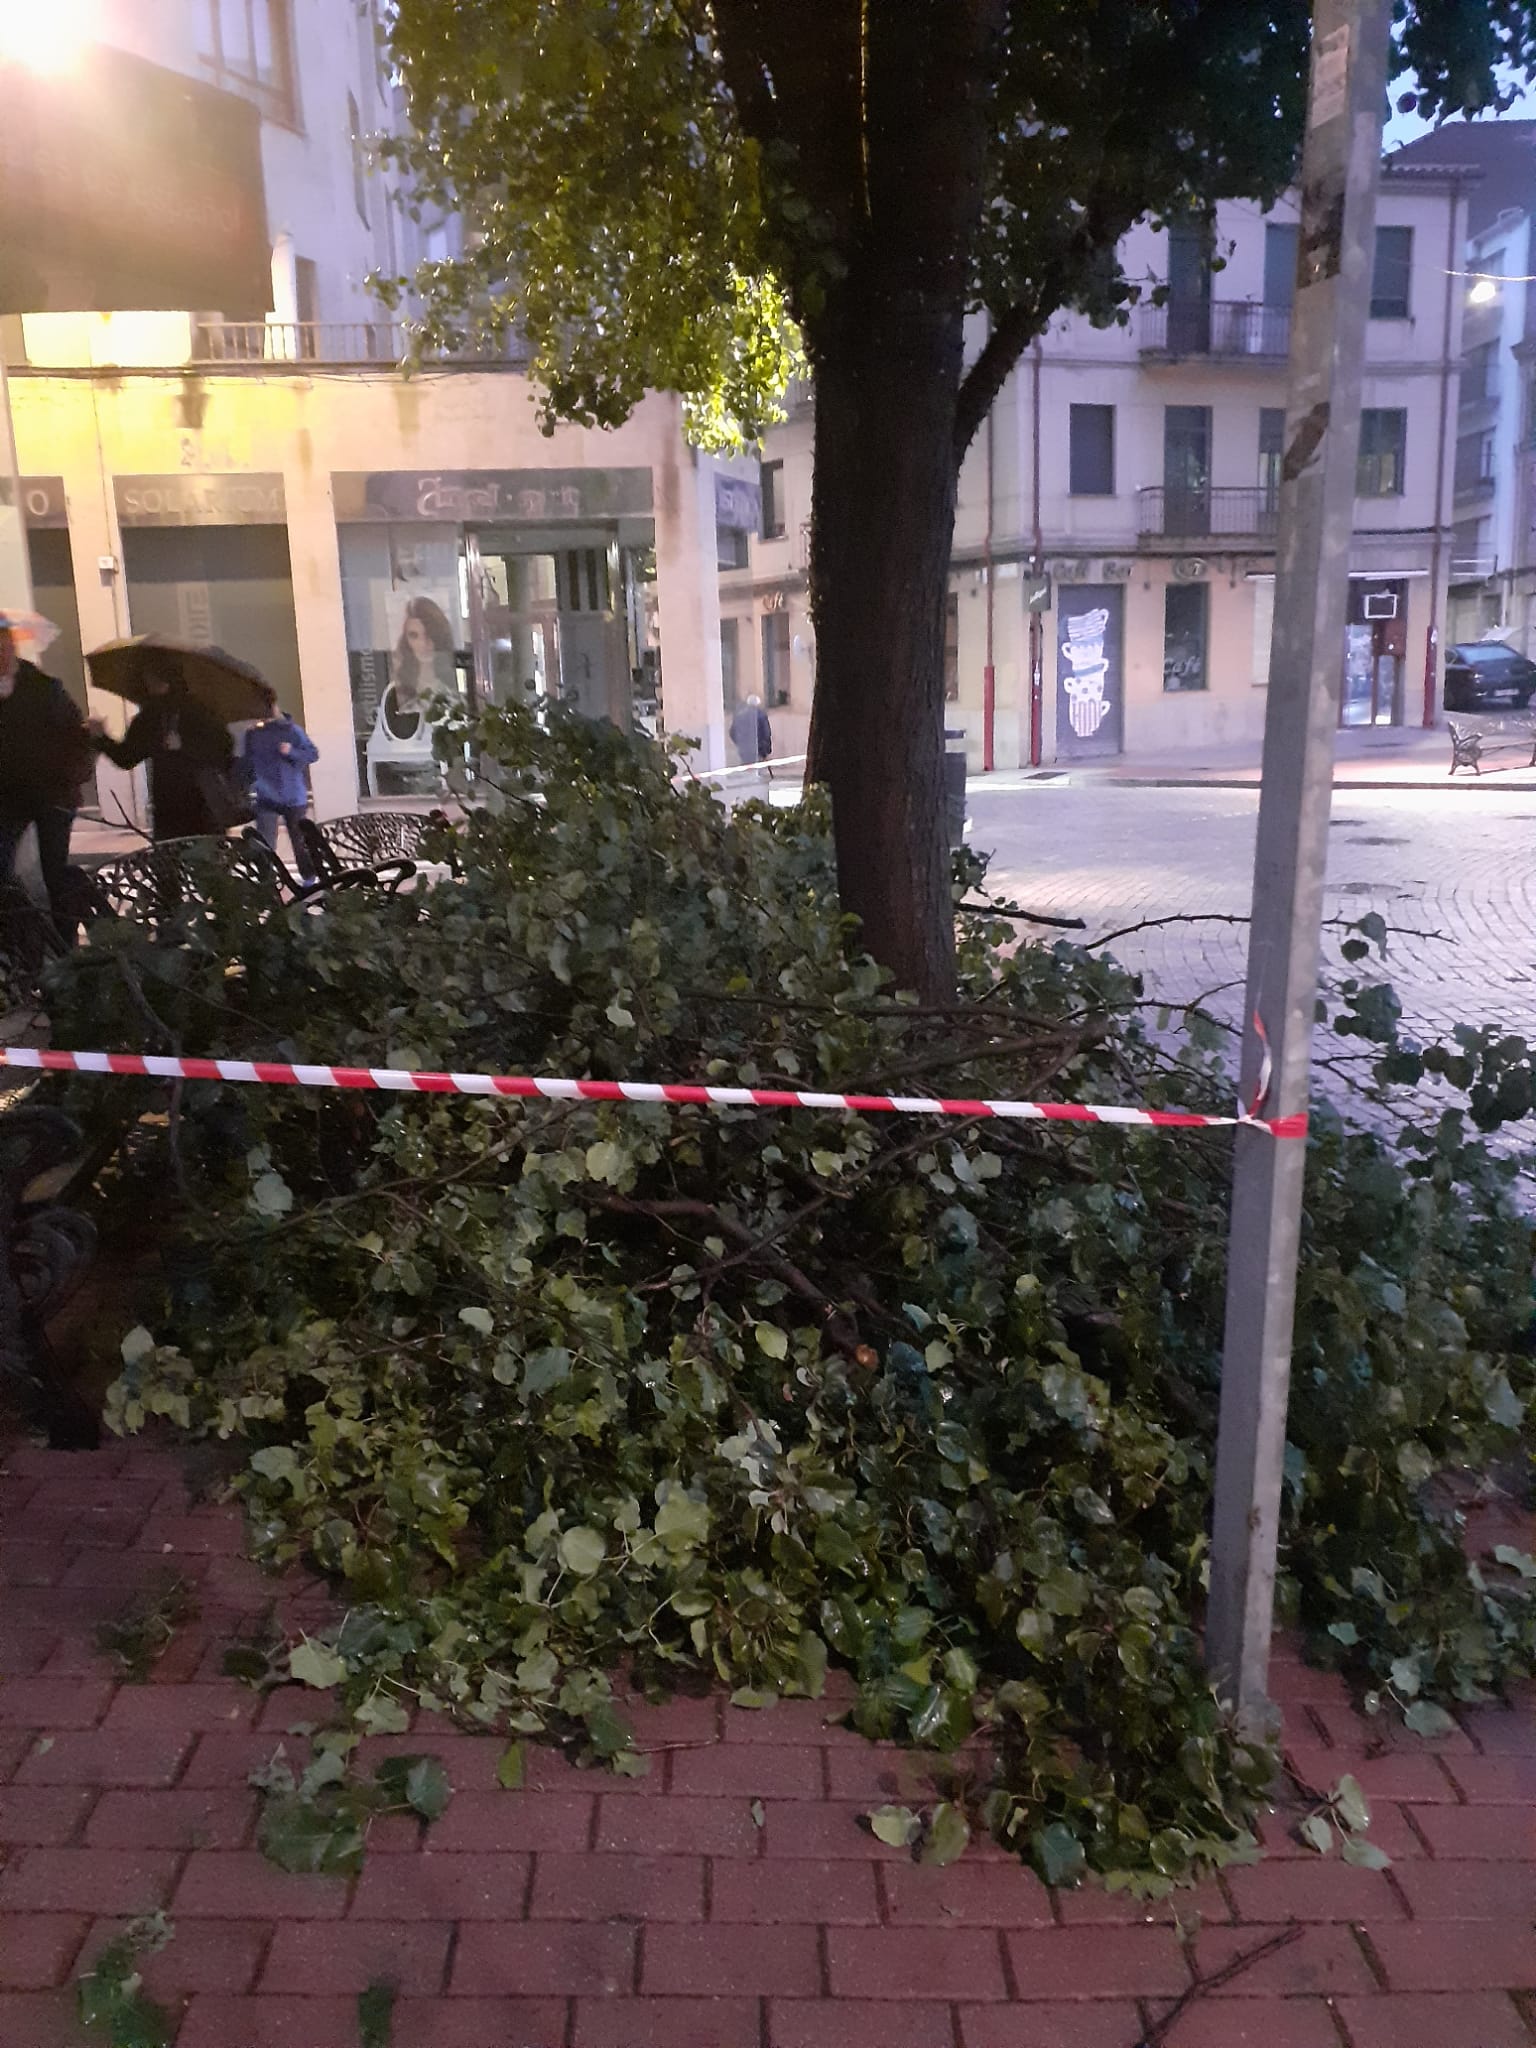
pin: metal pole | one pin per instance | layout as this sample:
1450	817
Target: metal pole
1447	367
1036	623
1322	433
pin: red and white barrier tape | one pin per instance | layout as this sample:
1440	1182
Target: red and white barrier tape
276	1073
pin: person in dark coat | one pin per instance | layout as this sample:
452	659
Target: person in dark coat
273	758
752	733
45	756
189	752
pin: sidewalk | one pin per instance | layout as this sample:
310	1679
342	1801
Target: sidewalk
729	1900
1381	757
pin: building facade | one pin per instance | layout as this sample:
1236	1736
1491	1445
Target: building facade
277	486
1113	579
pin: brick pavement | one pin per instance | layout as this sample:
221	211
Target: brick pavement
728	1900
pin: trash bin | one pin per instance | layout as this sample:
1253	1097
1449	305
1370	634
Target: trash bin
954	791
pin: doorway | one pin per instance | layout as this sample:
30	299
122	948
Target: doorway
514	619
1375	652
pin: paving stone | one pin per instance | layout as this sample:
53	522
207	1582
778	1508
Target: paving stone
915	1962
429	1886
641	1888
967	1894
1098	1962
731	2022
42	1816
1445	1956
861	2023
830	1895
218	2022
87	1881
38	1949
240	1884
198	1817
544	1960
327	1958
697	1961
1461	2019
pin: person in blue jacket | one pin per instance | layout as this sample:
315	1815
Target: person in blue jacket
273	757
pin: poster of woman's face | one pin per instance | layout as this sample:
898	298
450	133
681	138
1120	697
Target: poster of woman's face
421	665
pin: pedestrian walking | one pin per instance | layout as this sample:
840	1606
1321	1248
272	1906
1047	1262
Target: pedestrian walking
189	752
751	734
272	761
45	756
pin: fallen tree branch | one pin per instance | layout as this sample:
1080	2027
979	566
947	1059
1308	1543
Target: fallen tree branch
1159	2030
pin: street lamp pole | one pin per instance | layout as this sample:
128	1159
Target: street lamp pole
1340	164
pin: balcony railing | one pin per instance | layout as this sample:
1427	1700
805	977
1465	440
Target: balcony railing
1228	328
332	343
1205	515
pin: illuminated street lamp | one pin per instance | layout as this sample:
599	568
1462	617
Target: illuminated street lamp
1483	293
46	39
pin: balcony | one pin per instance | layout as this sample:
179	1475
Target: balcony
332	344
1183	515
1229	330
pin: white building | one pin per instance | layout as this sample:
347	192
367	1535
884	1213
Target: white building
1139	465
277	486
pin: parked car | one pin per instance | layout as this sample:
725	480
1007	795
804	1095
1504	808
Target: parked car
1487	672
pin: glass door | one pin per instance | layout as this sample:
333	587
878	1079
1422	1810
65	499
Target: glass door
515	624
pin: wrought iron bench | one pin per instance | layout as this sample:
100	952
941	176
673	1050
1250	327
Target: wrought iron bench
1469	743
167	879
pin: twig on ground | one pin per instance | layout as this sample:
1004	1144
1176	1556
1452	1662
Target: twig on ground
1158	2032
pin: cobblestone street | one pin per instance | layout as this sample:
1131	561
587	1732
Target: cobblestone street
1458	862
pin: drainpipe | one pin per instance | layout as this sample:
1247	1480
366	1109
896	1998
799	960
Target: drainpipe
989	672
1036	623
1432	637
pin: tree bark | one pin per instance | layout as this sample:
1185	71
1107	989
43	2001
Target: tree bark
887	352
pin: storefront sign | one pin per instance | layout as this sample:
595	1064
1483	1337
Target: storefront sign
1089	669
253	498
738	504
42	500
470	497
123	184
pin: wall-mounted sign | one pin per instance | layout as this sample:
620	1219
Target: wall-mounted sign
126	185
1190	569
470	497
1067	570
1116	572
738	503
1089	670
252	498
42	500
1037	591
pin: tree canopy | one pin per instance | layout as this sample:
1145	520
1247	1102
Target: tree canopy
662	191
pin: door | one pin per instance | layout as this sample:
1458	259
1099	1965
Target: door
1186	470
1189	288
515	621
1375	653
1090	669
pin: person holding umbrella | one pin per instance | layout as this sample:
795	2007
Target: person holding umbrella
188	698
45	756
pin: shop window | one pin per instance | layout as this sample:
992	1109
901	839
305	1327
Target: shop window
952	646
1383	446
1391	274
1186	612
1091	461
772	478
1280	241
248	46
776	658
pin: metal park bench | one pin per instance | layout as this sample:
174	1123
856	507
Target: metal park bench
1470	743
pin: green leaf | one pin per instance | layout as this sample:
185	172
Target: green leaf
382	1714
948	1835
1058	1854
376	2015
419	1782
545	1369
897	1826
271	1195
479	1319
136	1346
582	1550
312	1663
607	1162
1426	1719
298	1835
1349	1803
771	1339
510	1768
1366	1854
1318	1833
1520	1561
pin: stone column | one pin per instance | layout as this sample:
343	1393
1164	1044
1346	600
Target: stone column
315	558
688	602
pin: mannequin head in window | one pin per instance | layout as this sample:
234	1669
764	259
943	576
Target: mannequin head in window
424	653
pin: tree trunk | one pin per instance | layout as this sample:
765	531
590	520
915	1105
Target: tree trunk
887	351
882	525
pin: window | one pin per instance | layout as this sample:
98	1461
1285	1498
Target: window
359	159
1280	243
1092	458
776	652
1186	610
1383	443
1186	469
731	547
1474	462
248	44
1271	452
1391	273
772	478
952	647
730	661
1189	287
1480	374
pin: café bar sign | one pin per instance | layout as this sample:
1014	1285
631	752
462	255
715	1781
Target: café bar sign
480	497
41	499
249	498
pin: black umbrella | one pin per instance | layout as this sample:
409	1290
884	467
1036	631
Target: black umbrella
228	687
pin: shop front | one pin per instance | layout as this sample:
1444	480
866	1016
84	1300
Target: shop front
490	587
1375	651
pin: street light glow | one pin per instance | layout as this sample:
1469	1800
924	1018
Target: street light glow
1483	293
45	38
